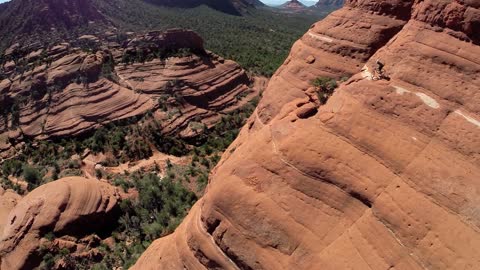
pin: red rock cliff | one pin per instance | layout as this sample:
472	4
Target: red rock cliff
64	91
385	175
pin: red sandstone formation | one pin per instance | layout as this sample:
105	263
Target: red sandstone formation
65	91
8	200
385	175
71	206
294	6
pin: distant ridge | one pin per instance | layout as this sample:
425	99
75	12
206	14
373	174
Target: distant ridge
29	16
234	7
329	4
32	18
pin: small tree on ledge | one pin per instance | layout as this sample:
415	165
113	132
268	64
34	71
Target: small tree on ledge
325	88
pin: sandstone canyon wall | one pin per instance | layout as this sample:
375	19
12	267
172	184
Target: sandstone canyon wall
385	175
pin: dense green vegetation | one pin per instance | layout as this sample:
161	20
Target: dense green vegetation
161	206
260	40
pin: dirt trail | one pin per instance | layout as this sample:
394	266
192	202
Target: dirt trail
159	158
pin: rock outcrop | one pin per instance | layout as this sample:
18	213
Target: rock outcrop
383	176
8	200
66	90
293	6
71	206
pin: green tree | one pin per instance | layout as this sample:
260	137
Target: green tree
31	175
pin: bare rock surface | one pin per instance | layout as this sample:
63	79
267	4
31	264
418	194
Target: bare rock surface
384	176
72	206
8	200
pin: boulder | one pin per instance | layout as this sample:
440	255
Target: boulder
92	65
8	200
72	206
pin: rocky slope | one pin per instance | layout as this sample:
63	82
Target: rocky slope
66	90
27	19
383	176
72	207
45	14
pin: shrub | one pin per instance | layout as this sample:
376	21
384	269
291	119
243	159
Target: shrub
48	261
121	182
12	167
98	174
202	181
74	164
326	84
50	236
31	175
325	88
64	252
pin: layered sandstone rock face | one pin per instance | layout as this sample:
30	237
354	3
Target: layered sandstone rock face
65	90
385	175
73	206
8	200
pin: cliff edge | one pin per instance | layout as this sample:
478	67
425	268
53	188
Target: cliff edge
384	175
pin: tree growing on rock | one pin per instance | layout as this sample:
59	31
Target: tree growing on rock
325	88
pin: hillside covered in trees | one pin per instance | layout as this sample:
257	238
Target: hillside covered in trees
258	38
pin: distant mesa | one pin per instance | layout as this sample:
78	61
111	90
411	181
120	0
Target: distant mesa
321	7
293	5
